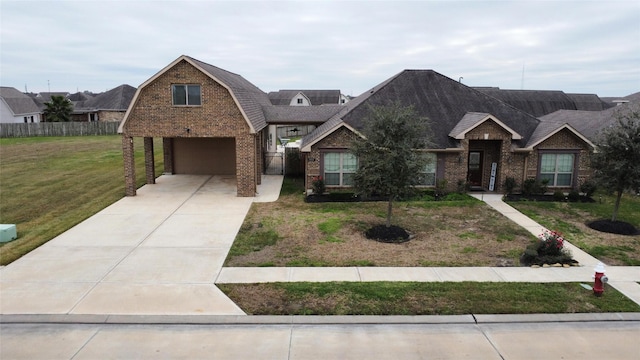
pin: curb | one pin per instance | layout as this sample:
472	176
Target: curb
313	320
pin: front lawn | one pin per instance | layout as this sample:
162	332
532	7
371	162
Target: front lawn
571	218
291	232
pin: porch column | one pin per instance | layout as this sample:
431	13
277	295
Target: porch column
149	161
129	166
167	151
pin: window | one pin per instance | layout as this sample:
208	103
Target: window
428	176
299	101
557	168
186	95
339	168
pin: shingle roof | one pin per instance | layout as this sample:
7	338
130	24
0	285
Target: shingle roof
300	114
250	97
542	102
588	123
441	99
316	97
18	102
117	98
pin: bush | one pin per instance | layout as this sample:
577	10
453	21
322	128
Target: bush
463	186
558	195
441	189
574	196
534	187
588	188
509	185
318	185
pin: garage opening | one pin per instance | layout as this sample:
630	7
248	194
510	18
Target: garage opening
204	156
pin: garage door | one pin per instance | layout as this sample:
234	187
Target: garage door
204	156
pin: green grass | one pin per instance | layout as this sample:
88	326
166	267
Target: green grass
411	298
248	241
49	184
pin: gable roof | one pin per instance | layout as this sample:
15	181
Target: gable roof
547	129
316	97
247	96
18	102
472	119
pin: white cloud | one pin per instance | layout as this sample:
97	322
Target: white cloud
589	47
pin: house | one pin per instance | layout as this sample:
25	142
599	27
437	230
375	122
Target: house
16	107
108	106
307	97
213	121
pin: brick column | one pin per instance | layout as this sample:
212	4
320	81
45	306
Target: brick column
129	166
149	161
259	157
246	166
167	151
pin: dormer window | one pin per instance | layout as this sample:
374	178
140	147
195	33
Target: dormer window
299	101
186	95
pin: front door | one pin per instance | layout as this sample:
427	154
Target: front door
474	172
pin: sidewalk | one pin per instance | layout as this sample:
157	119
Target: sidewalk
624	278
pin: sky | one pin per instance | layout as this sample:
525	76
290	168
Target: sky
574	46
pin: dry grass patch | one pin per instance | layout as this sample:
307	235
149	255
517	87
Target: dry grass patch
291	232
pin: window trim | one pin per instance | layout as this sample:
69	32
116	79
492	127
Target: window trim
186	88
574	169
341	172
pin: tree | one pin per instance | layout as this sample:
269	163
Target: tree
616	162
389	160
58	109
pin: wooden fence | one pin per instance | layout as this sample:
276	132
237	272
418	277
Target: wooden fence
58	129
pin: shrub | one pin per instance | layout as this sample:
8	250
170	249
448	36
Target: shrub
441	189
574	196
588	188
548	250
558	195
528	187
318	185
462	186
509	185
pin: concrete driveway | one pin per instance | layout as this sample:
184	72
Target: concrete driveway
156	253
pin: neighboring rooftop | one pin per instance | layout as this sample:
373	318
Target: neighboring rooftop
316	97
18	102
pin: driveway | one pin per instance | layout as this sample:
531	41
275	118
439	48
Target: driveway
156	253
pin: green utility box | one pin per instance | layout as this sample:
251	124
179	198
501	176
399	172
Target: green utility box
8	232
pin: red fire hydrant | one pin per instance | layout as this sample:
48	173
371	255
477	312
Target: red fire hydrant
600	279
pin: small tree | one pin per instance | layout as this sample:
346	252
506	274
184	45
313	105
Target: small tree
616	162
388	163
58	109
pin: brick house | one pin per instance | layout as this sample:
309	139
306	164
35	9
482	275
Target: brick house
215	122
477	138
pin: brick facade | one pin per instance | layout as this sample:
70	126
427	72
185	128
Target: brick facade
153	115
341	139
489	137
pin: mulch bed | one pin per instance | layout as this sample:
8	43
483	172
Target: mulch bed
392	234
614	227
520	197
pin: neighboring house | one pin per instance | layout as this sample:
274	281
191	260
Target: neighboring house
307	97
215	122
109	106
16	107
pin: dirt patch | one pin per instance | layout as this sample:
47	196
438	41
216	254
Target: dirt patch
614	227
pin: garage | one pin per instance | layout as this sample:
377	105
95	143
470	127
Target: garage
204	156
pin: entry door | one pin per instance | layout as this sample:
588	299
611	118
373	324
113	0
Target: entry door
474	172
